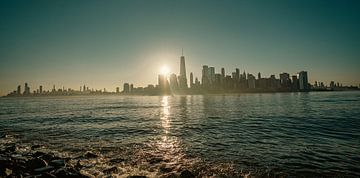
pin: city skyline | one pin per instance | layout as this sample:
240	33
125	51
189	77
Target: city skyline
64	44
210	82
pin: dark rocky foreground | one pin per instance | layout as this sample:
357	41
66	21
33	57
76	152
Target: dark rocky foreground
15	162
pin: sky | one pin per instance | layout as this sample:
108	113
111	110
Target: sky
103	44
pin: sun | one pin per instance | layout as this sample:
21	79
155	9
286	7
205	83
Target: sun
164	70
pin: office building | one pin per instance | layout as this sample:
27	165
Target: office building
126	88
191	80
303	81
182	77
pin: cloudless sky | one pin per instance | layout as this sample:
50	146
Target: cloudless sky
105	43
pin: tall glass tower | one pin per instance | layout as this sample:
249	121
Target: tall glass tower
182	76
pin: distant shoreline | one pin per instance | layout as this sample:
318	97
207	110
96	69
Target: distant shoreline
173	94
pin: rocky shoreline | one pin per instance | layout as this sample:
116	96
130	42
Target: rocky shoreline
17	162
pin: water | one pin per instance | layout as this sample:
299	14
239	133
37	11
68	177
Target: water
289	134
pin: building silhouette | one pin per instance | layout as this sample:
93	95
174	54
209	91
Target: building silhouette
18	91
303	81
126	88
26	90
182	77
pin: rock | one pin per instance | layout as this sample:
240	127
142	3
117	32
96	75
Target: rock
38	154
89	154
36	163
11	148
112	170
136	176
186	174
58	163
47	175
165	169
35	147
155	160
117	160
171	175
44	169
61	173
8	172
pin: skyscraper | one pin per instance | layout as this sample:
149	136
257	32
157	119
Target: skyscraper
191	80
212	75
205	76
303	81
174	86
26	89
126	88
182	76
237	74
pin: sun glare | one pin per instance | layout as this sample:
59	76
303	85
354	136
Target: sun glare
164	70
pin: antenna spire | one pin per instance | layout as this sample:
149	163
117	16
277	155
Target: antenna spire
182	51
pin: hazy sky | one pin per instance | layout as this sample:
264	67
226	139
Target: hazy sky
106	43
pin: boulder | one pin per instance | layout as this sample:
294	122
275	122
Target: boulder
112	170
58	163
136	176
36	163
44	169
186	174
90	154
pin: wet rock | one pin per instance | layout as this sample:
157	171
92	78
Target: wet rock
47	175
186	174
38	154
155	160
78	165
35	147
117	160
112	170
165	169
48	157
89	154
11	149
58	163
8	172
44	169
36	163
171	175
61	173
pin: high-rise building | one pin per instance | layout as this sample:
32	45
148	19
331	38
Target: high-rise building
212	75
131	88
237	75
117	90
191	80
259	75
163	84
251	81
222	72
174	85
295	83
303	81
285	81
26	89
182	76
205	78
126	88
40	89
18	91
